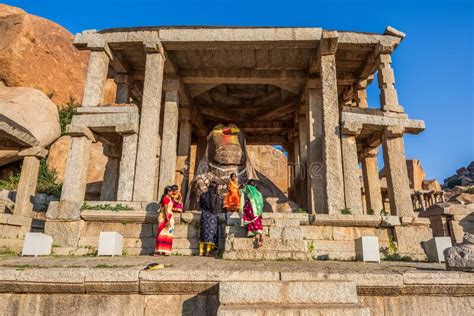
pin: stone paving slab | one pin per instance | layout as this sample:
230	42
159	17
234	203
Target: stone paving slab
200	274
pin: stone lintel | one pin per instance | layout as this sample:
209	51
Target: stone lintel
379	122
119	122
91	40
108	109
15	132
79	131
36	151
390	30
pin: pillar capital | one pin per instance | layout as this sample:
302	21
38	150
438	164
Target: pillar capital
36	151
351	128
185	114
121	78
79	131
370	152
98	43
153	45
394	131
328	44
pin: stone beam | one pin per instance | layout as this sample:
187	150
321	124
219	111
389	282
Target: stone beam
379	122
287	107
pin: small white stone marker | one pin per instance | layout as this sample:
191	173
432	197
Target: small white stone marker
367	249
435	247
110	244
37	244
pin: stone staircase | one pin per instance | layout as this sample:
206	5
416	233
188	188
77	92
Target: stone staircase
289	298
283	238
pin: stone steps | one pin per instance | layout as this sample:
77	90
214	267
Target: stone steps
301	310
289	298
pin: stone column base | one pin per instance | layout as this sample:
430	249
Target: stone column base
411	235
65	234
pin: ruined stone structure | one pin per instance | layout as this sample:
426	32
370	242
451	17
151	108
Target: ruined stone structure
301	88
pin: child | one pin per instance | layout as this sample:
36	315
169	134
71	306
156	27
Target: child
232	197
177	199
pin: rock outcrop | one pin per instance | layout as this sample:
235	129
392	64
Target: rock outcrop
464	177
38	53
33	111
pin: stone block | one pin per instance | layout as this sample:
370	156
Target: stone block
435	247
37	244
234	218
110	244
64	233
367	249
317	232
288	292
270	244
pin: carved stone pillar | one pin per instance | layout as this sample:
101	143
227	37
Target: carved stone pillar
75	175
352	185
123	90
183	160
362	94
149	137
94	86
303	155
108	191
127	167
397	174
169	141
386	78
28	180
370	172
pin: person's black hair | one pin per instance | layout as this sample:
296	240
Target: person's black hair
167	190
175	187
213	186
233	174
252	182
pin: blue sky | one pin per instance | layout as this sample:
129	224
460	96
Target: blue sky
433	65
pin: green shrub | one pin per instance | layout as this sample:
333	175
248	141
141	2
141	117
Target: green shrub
346	211
66	113
47	181
106	207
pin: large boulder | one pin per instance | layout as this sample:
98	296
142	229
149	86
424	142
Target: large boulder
57	159
33	111
38	53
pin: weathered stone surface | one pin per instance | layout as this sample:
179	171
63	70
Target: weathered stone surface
461	256
32	110
124	280
289	292
58	154
410	240
64	233
275	309
38	53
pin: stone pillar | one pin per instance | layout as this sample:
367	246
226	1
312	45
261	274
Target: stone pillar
398	184
362	94
291	163
201	147
386	78
127	167
352	185
169	141
123	91
370	174
109	187
184	151
28	180
75	175
314	161
296	176
324	137
94	86
149	138
303	154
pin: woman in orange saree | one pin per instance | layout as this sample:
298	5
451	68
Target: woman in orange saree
164	238
232	197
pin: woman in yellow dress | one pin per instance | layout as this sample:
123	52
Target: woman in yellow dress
232	197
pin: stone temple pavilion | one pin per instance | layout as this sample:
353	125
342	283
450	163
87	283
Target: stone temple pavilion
301	88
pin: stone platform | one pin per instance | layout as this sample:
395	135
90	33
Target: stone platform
208	286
